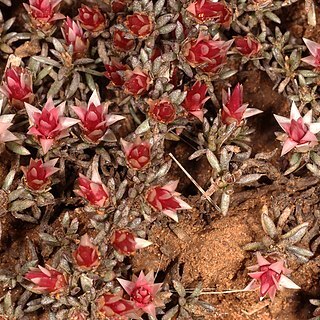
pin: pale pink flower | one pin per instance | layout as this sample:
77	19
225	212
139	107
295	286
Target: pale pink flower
49	125
37	174
138	153
5	123
46	280
43	13
87	254
166	200
75	37
269	275
93	189
301	132
125	242
143	292
314	48
95	119
233	108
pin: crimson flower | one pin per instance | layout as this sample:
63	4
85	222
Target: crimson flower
46	280
139	24
95	119
234	110
122	41
114	307
162	110
300	131
17	86
91	18
210	11
143	292
137	82
314	48
43	13
138	153
269	275
5	123
195	99
74	36
166	200
115	72
118	6
93	190
248	46
36	175
87	255
49	125
208	54
125	242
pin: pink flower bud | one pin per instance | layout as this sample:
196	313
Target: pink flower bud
210	11
5	123
143	292
126	243
162	110
93	190
139	24
95	119
36	175
234	110
115	72
87	254
269	275
165	199
138	153
248	46
195	99
314	48
91	18
137	82
208	54
300	131
17	86
43	13
46	280
122	41
49	125
114	307
74	36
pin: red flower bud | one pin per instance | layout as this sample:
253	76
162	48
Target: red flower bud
126	243
207	54
115	72
137	153
118	6
247	46
137	82
139	24
43	13
91	18
195	99
162	110
93	190
122	41
114	307
87	254
74	36
36	175
46	280
209	11
17	86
